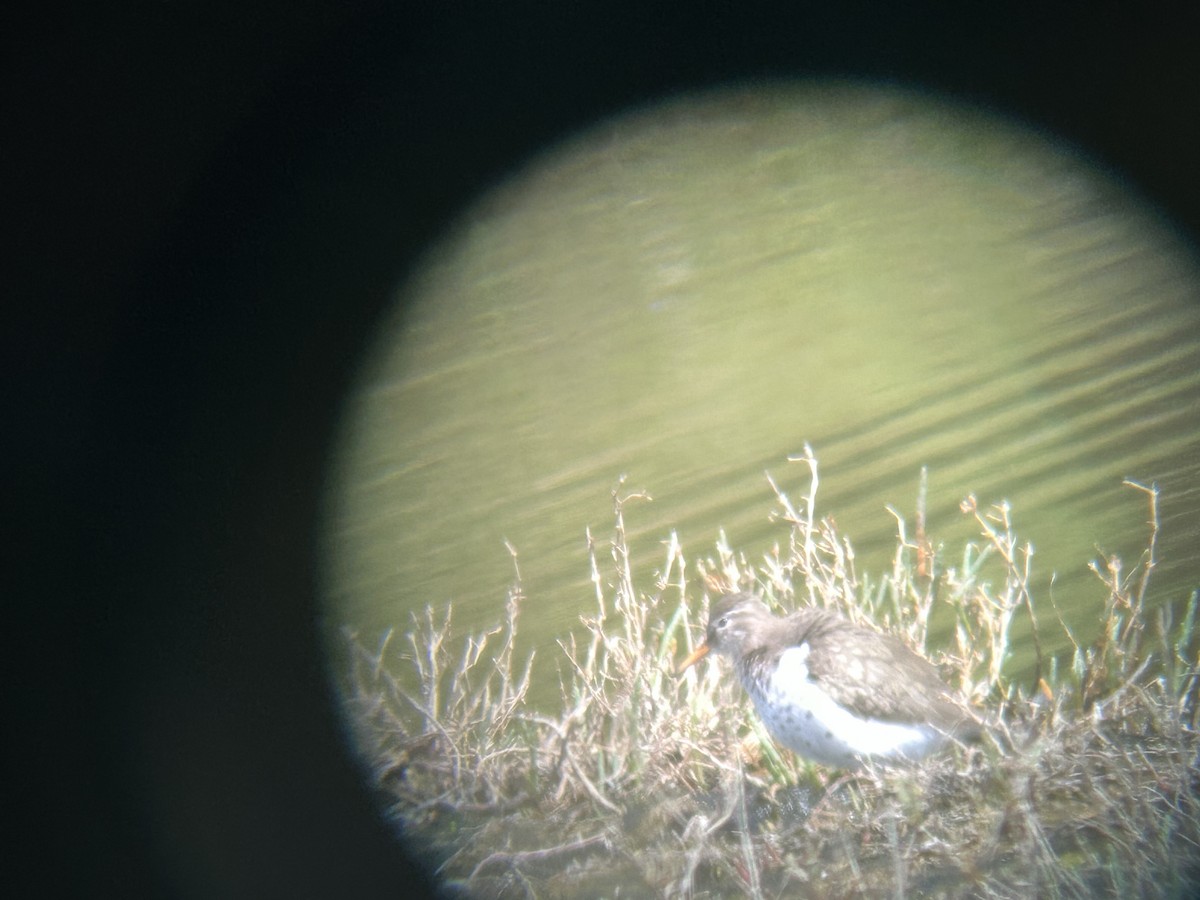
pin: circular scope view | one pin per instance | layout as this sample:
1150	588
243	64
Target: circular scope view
889	403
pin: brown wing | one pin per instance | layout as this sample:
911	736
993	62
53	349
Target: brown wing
877	674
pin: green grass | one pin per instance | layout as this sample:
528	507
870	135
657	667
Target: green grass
644	783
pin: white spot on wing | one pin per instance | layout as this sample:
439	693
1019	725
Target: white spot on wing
793	665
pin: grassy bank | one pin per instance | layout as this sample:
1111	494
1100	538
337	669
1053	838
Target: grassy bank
643	783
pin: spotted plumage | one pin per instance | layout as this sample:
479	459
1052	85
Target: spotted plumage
832	691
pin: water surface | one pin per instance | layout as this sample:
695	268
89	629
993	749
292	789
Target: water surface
688	294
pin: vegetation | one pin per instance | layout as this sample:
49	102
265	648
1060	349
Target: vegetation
645	783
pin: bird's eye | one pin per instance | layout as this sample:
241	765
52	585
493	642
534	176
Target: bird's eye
722	622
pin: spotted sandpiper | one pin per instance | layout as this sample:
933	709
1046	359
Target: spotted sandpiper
832	691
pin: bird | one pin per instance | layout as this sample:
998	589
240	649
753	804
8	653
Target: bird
832	691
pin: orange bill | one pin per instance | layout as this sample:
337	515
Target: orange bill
698	654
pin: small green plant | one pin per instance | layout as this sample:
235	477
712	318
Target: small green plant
646	783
